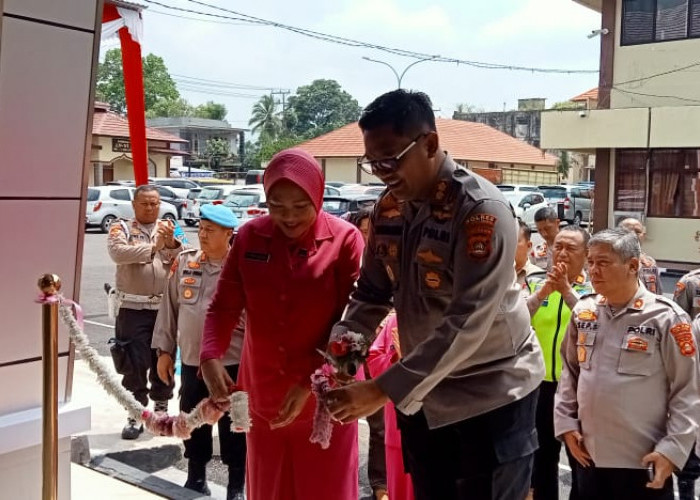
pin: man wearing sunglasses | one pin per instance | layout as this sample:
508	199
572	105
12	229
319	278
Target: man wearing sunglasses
441	248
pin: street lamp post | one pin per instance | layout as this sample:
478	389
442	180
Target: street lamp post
399	78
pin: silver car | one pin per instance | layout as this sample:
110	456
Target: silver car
572	203
105	204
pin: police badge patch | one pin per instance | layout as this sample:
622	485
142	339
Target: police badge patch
479	229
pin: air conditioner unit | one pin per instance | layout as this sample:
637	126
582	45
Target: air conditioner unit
619	216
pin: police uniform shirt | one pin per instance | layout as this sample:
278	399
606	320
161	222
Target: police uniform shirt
528	270
192	283
139	270
687	293
630	380
446	264
649	274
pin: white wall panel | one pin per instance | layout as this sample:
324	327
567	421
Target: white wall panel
21	387
44	84
77	13
45	240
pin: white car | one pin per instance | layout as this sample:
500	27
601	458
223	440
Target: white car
105	204
247	203
217	194
526	204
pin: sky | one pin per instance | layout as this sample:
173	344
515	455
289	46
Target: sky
533	33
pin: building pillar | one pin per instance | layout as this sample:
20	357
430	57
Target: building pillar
601	200
99	177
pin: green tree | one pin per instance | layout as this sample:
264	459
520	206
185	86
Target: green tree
321	107
564	163
157	82
464	107
171	107
212	110
266	119
566	105
216	150
267	148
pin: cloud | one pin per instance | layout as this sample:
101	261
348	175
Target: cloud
542	19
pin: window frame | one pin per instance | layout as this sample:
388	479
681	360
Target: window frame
688	25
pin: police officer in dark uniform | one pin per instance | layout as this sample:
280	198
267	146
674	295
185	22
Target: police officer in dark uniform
441	250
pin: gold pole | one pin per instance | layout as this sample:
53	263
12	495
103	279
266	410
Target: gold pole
50	284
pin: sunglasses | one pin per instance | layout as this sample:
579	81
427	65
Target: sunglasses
387	165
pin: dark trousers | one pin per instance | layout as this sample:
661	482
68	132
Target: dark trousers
487	457
135	328
686	478
376	456
199	447
596	483
545	469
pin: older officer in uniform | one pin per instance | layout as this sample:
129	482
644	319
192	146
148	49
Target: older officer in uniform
550	305
648	270
441	245
524	269
143	248
687	293
192	282
628	396
547	222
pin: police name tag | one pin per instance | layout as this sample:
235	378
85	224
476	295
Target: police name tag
642	330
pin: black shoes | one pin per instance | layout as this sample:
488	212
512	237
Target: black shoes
131	430
197	478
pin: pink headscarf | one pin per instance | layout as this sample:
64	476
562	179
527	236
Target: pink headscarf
299	167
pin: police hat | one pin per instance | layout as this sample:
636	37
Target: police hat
220	215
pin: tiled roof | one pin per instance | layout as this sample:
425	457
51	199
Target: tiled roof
110	124
590	95
465	141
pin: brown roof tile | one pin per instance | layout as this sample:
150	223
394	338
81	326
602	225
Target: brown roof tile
110	124
590	95
465	141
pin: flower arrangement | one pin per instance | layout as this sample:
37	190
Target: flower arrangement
344	357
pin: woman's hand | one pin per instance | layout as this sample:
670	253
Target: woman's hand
217	379
291	407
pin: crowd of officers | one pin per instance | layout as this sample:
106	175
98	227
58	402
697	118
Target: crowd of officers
483	408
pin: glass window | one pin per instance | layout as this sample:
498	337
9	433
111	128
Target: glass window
211	193
630	180
93	194
671	19
638	21
120	194
674	187
694	28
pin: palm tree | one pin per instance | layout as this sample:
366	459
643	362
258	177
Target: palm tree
266	119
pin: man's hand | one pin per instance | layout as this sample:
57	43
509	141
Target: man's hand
354	401
291	407
663	468
574	442
560	278
166	368
158	242
166	229
217	379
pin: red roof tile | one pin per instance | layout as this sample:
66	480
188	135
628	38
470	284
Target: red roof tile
110	124
465	141
591	95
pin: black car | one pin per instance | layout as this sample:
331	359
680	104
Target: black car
341	205
167	194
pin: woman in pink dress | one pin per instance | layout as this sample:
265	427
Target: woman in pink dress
384	352
292	271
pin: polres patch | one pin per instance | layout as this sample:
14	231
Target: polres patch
683	334
480	229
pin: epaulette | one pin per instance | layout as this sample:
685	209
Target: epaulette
670	302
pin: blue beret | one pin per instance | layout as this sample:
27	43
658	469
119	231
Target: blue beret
220	215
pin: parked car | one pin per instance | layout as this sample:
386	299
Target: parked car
106	204
341	205
526	204
335	184
170	196
516	188
359	189
247	203
331	191
212	194
573	203
254	177
180	186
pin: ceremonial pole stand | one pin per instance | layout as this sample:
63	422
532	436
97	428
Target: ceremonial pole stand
50	284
